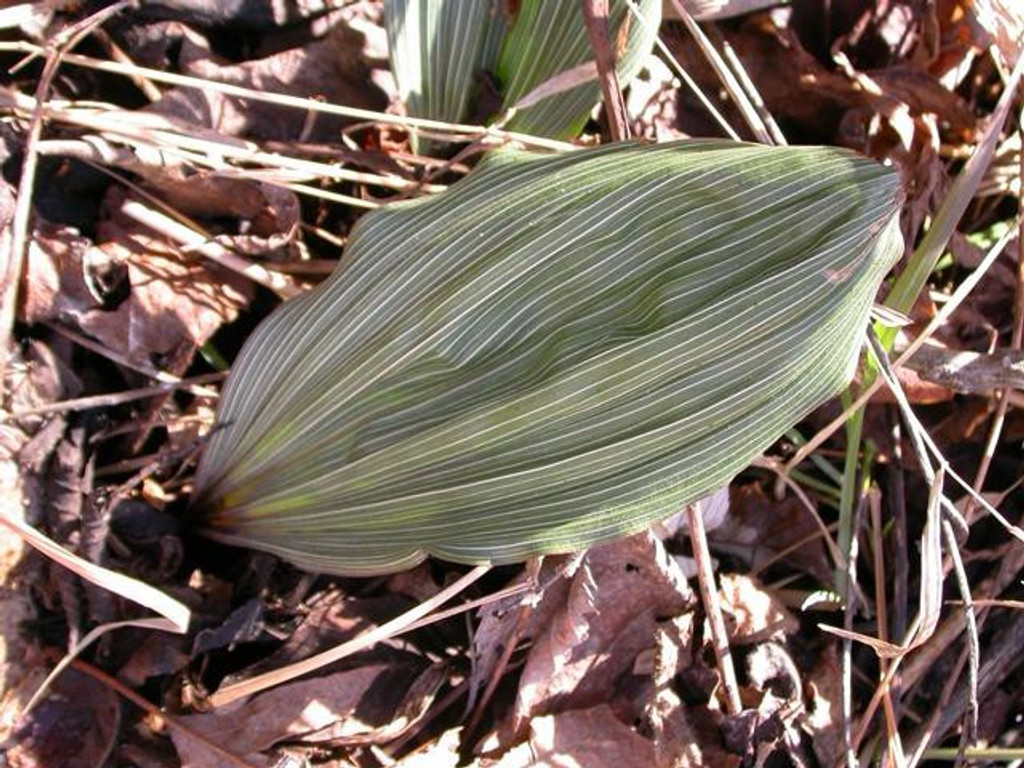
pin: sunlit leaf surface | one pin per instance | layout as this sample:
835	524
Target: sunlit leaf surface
556	351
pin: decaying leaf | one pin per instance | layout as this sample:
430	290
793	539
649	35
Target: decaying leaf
557	351
607	618
73	727
174	301
752	612
758	529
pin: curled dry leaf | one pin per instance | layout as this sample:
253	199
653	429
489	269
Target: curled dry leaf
752	613
822	718
758	528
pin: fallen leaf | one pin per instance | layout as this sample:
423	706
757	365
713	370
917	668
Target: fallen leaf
267	215
771	668
606	619
752	613
441	753
175	303
822	718
498	620
593	737
331	619
352	706
332	68
1004	21
687	736
244	625
758	528
75	726
155	656
35	376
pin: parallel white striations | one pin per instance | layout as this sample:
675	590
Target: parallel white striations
550	37
556	351
440	48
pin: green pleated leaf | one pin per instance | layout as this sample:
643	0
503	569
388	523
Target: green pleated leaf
439	48
549	37
556	351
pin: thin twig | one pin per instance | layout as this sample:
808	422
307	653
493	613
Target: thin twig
123	360
115	398
526	607
732	85
713	609
295	102
970	732
595	15
682	73
280	284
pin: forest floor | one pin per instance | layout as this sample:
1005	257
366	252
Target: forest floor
167	215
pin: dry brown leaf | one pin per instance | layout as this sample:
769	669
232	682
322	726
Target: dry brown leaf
332	619
593	737
332	68
822	717
585	654
441	753
175	303
498	620
267	214
758	528
687	736
36	377
353	706
1004	21
752	613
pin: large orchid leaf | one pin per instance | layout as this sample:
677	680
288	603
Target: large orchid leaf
556	351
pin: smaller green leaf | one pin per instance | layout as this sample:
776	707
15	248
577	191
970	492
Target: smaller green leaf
548	38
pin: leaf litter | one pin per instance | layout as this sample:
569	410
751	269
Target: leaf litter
600	660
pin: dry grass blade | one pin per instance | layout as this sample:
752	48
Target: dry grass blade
751	115
452	131
402	623
175	616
